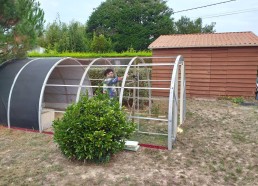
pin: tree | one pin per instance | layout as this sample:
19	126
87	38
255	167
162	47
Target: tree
52	35
61	37
100	44
131	23
21	22
185	26
77	37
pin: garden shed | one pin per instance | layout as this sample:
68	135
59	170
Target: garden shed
217	64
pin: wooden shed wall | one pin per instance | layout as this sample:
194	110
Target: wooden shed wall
212	72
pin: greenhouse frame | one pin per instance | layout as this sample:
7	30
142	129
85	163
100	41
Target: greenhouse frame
35	90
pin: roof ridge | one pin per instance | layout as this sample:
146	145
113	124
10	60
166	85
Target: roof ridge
218	33
221	39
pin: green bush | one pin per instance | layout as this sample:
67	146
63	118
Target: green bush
93	129
101	44
52	53
238	100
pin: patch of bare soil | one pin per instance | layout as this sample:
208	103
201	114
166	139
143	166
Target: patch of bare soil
218	147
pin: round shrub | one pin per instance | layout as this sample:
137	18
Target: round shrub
92	129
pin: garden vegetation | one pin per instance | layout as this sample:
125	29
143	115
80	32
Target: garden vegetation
93	129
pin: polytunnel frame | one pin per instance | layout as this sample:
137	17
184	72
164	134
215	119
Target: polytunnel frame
173	92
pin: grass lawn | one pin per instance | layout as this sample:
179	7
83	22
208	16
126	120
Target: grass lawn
218	146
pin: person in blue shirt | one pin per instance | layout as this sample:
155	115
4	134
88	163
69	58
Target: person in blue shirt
110	81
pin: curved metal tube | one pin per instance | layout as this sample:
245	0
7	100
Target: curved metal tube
84	75
43	89
11	91
124	79
173	103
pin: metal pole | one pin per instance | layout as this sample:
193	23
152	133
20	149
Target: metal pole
175	110
182	92
134	93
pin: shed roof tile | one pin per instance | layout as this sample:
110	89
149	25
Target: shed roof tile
205	40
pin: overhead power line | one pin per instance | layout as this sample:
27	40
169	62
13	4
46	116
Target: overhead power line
203	6
229	13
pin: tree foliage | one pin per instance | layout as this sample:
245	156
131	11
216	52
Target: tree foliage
187	26
101	44
21	22
134	23
118	25
62	37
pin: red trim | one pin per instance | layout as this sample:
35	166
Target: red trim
51	133
45	132
154	146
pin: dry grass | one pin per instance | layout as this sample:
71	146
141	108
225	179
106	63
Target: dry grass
218	147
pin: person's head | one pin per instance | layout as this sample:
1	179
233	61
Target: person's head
109	72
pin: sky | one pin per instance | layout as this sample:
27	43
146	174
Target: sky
229	15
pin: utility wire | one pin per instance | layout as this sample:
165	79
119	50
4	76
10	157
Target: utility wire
203	6
229	13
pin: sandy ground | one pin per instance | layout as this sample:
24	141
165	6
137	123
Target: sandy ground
218	146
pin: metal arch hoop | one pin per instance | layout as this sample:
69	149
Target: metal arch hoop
80	65
124	79
173	101
44	86
84	75
183	94
11	91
